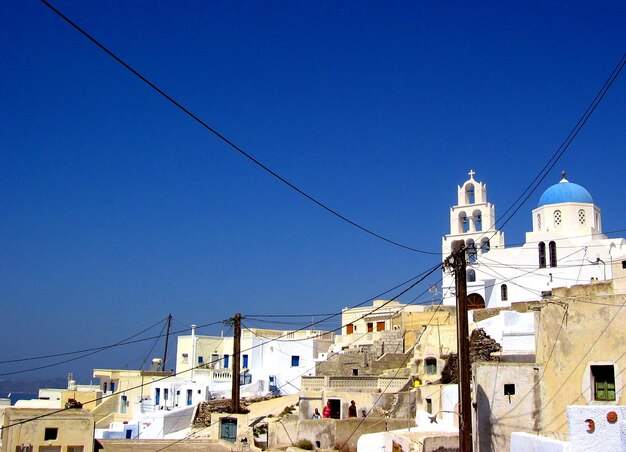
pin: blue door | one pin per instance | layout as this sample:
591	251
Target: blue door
228	429
157	396
189	396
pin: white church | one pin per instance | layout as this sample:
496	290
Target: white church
566	247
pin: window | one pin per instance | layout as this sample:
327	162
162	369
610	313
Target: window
471	251
215	358
226	361
50	433
603	382
76	448
112	386
539	222
552	247
380	326
185	357
431	366
370	327
349	328
542	255
295	361
478	220
469	190
463	222
504	292
189	396
471	275
157	396
355	372
429	405
581	217
557	218
509	390
200	359
104	386
485	245
623	264
245	361
166	394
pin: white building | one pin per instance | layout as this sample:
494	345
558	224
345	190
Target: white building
271	361
362	325
566	247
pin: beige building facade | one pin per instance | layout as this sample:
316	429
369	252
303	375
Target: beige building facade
580	360
47	430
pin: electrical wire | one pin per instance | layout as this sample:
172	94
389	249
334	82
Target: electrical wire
556	156
87	352
228	141
565	144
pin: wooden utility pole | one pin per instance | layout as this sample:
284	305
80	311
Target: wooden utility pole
167	338
236	408
465	395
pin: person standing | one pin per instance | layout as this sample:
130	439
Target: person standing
352	409
327	410
316	415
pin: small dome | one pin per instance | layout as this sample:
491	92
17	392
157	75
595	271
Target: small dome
565	191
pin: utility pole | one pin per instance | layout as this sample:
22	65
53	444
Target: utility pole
236	363
167	338
462	329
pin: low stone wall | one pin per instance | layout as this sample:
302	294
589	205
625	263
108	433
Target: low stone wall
329	433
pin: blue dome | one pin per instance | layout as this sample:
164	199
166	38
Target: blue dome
565	191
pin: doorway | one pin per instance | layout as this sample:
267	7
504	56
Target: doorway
335	408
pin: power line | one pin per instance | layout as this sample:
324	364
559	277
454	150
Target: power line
567	142
530	189
228	141
89	352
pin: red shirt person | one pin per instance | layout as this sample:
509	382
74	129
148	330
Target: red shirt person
327	410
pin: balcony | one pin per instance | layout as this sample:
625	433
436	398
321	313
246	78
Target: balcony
368	384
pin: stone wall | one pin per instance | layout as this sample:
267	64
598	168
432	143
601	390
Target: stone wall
359	363
389	342
329	433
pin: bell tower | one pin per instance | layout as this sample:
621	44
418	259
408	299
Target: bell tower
473	220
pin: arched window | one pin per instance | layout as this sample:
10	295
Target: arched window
552	247
471	251
463	223
478	220
469	193
504	292
485	246
539	222
542	255
471	275
431	366
475	301
581	217
557	218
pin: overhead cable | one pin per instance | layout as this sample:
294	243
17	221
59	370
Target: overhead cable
228	141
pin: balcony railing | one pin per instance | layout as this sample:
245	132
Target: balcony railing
392	384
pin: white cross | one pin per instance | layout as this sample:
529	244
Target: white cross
471	174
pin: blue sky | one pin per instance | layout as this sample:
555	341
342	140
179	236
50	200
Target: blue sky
117	209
